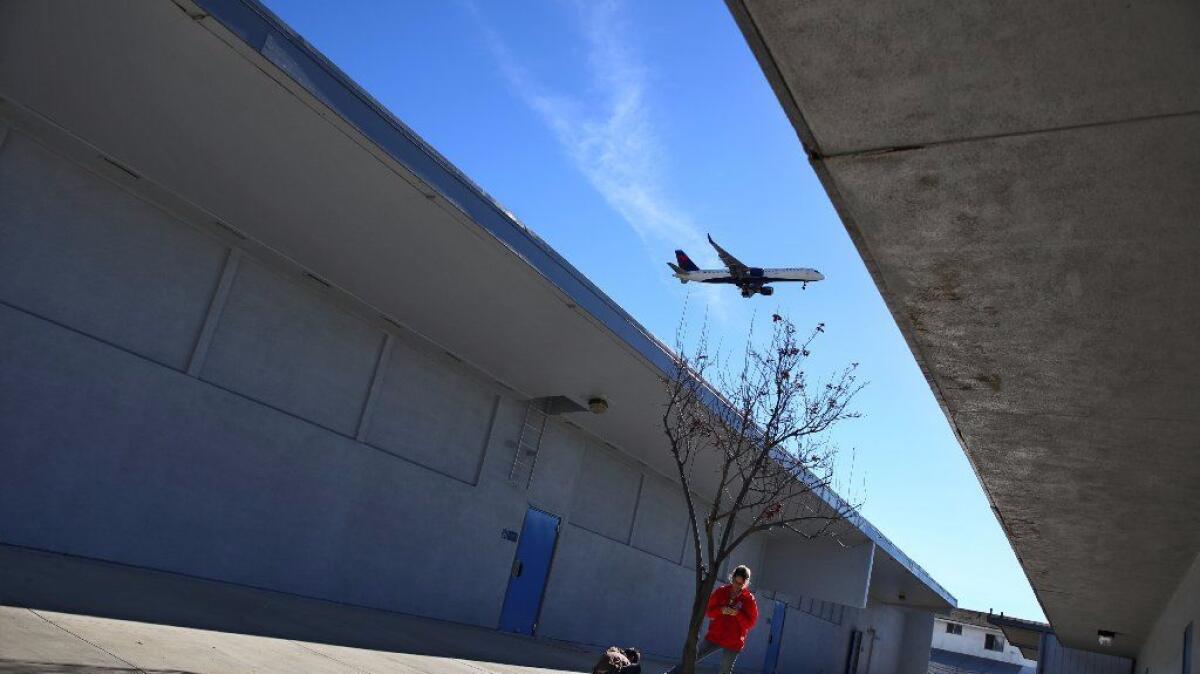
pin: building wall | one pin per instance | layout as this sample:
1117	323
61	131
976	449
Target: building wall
1162	652
884	626
817	636
1054	658
172	402
971	642
822	568
814	643
918	632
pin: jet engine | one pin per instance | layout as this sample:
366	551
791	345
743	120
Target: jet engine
767	291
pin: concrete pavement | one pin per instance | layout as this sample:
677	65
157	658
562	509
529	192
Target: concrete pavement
66	614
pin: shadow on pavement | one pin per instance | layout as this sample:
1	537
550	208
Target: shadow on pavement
48	581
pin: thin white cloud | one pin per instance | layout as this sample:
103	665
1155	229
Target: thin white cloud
606	131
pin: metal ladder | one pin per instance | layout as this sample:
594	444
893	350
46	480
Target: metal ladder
529	443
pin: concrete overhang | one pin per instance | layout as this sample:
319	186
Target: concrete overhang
1022	180
220	110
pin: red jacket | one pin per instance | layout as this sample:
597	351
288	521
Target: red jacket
729	631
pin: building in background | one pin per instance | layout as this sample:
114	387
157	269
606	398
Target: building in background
965	641
254	330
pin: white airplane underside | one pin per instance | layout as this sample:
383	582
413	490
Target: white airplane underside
750	280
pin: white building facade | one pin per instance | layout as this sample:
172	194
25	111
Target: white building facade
969	633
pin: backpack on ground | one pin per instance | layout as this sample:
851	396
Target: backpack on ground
618	660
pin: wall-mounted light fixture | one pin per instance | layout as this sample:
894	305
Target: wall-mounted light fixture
1105	637
597	405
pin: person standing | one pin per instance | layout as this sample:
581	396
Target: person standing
731	613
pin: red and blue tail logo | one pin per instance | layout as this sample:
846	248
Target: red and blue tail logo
685	262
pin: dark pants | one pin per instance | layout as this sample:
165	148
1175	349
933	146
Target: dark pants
706	649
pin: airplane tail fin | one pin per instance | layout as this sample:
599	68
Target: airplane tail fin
674	267
685	262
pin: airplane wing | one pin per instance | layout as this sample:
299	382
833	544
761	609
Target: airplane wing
736	268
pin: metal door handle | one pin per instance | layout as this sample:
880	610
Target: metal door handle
517	568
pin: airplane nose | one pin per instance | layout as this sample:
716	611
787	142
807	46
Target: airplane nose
820	276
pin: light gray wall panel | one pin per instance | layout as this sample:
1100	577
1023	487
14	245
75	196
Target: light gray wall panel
661	518
812	645
689	546
750	553
502	444
914	649
279	343
79	250
888	636
821	568
431	412
1058	659
558	466
602	592
109	455
606	493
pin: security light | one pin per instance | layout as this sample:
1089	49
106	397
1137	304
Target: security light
597	405
1105	637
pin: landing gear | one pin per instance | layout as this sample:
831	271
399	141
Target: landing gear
804	285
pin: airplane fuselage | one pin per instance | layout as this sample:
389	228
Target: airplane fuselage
803	274
750	280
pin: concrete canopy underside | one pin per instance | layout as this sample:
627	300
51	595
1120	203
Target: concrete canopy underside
1023	182
218	111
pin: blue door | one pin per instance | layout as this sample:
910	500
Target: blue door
775	640
530	569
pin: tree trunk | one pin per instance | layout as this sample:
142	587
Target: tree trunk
704	589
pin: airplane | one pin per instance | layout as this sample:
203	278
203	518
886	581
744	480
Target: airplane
750	280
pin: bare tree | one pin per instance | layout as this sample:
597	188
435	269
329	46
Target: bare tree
757	444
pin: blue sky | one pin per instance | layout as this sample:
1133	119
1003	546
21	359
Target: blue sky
619	131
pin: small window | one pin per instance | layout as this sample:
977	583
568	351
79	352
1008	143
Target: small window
953	628
993	642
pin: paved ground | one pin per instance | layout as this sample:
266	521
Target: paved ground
64	614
